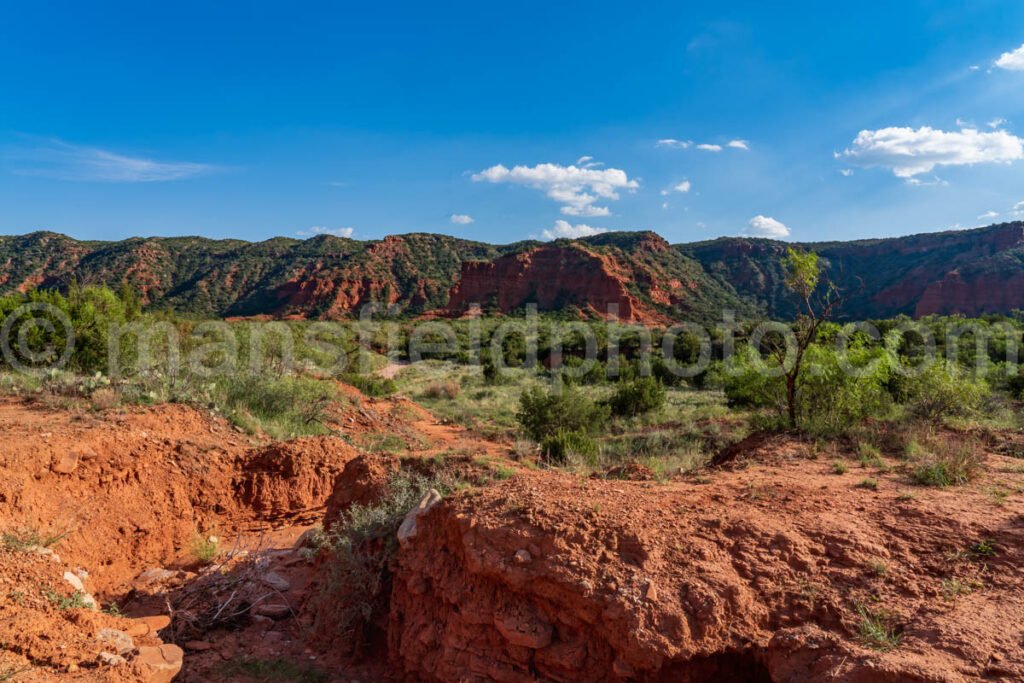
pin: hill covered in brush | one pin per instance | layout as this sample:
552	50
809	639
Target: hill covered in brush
637	275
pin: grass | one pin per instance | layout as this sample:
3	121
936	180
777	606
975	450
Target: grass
839	467
282	407
950	462
21	540
879	568
272	671
868	483
205	549
984	549
878	629
954	588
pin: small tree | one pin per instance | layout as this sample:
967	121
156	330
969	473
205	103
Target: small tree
803	278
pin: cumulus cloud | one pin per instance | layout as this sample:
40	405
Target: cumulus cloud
765	226
576	188
847	172
562	229
682	187
709	148
675	144
65	161
997	122
322	230
1012	61
739	144
908	151
461	219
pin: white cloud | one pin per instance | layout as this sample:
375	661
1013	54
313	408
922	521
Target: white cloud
739	144
996	122
664	205
710	148
765	226
1012	61
563	229
846	172
909	152
65	161
936	181
988	215
321	230
675	144
461	219
576	188
682	187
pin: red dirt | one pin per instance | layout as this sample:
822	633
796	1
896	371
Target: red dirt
752	571
753	576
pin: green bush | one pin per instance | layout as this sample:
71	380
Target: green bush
544	413
563	446
832	395
92	311
637	397
940	390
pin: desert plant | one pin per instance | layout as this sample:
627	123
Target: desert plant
565	445
638	396
447	389
950	462
205	549
360	548
543	413
878	629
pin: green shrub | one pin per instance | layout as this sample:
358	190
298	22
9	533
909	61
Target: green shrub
832	396
92	311
941	390
544	413
564	446
361	547
637	397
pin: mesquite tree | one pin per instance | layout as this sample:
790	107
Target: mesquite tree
803	278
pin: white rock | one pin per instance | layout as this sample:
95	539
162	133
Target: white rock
75	582
276	581
407	531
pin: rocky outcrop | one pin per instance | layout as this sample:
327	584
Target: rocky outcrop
548	577
290	478
552	277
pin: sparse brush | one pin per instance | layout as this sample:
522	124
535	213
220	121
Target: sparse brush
878	629
839	467
205	549
955	587
25	539
447	389
951	463
868	483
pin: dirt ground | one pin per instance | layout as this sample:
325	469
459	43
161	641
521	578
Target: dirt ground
765	569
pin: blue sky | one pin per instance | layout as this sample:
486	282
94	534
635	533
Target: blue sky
254	119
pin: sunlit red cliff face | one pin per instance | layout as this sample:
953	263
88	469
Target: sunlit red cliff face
553	278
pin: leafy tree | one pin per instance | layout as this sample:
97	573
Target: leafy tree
803	278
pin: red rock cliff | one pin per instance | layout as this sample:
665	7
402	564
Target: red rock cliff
552	277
